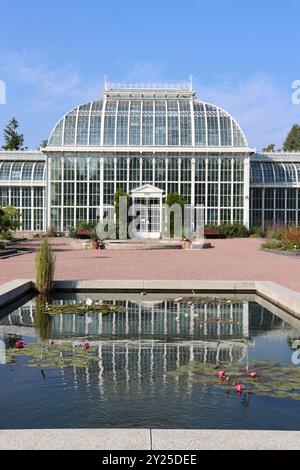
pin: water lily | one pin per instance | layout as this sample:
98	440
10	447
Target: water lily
20	344
88	302
86	345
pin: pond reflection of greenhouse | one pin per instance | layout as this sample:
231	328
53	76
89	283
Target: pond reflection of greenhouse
151	362
146	331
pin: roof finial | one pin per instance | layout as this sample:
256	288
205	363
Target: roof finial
191	82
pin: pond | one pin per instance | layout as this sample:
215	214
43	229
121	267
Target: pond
149	360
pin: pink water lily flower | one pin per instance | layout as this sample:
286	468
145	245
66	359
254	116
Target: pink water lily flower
20	344
86	345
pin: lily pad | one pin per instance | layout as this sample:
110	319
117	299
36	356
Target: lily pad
273	379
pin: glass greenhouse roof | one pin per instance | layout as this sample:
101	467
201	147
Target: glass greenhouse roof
274	173
147	118
22	171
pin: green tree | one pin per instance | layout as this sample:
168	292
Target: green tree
121	230
9	221
44	143
171	199
13	140
269	148
292	142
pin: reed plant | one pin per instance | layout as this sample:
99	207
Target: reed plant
44	267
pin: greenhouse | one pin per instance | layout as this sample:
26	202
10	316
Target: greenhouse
149	141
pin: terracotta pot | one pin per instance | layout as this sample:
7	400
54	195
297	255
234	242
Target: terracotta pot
95	244
186	244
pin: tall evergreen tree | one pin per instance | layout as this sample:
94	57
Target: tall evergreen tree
292	142
13	140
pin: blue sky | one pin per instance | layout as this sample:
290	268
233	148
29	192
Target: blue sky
243	57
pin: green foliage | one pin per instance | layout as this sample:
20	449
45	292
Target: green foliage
79	309
72	232
121	230
48	355
13	140
258	231
269	148
84	225
171	199
175	198
94	235
233	231
9	221
272	244
42	319
273	379
44	267
284	238
292	142
230	230
274	233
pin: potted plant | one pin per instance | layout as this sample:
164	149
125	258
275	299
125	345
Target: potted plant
95	240
186	243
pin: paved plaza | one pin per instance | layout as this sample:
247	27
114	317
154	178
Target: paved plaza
231	259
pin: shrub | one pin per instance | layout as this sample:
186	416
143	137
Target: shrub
272	244
9	222
44	267
233	231
290	237
274	232
258	232
84	225
72	232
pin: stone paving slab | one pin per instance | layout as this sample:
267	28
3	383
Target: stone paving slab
215	439
144	439
75	439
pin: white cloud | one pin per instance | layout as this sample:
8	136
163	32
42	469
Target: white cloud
51	87
262	107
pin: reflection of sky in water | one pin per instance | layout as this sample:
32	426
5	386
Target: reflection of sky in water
129	386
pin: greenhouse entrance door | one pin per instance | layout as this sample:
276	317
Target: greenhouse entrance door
147	207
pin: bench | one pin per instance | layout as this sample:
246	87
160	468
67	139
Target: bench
213	232
83	233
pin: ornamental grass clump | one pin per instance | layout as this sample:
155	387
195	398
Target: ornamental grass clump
44	268
290	237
